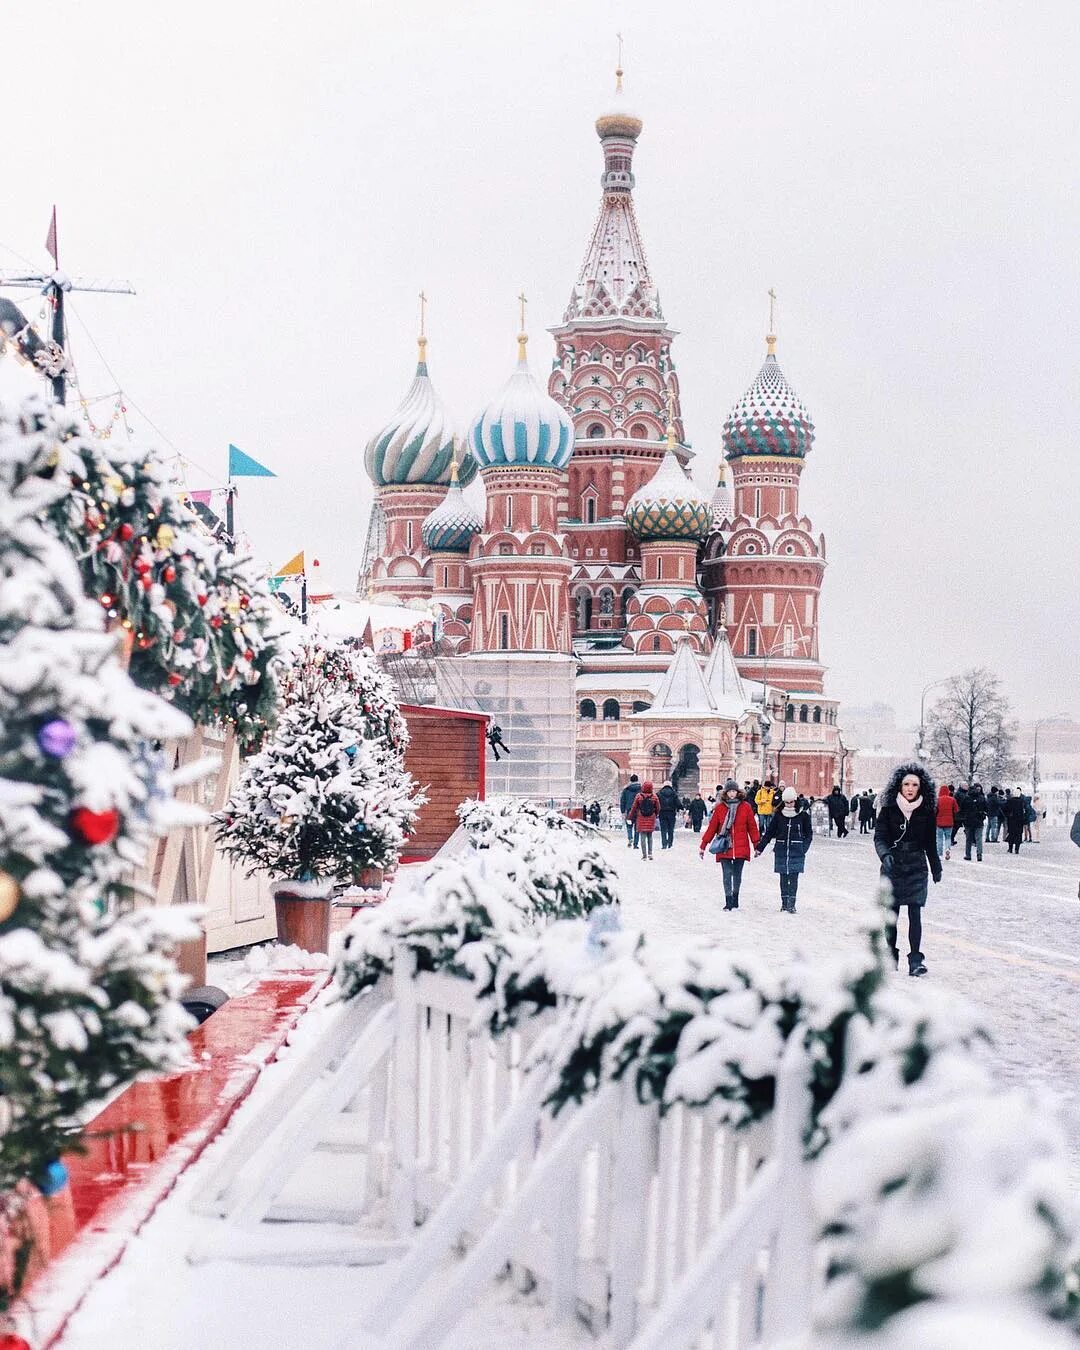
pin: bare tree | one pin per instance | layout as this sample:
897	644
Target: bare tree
597	779
970	735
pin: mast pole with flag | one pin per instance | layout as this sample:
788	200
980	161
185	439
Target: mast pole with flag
241	465
54	287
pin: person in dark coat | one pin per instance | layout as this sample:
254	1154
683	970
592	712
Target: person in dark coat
594	813
791	834
732	815
974	818
643	815
993	814
866	812
959	793
904	839
1015	815
838	811
1074	835
626	801
669	807
698	811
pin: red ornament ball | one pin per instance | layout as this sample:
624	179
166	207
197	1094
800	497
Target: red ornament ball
244	602
147	582
95	827
216	621
202	597
175	679
169	574
249	655
142	565
127	532
10	1341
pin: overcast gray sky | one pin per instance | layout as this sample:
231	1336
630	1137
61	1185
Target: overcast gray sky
279	180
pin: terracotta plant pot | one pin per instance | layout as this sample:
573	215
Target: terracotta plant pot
303	914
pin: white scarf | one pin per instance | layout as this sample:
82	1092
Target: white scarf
907	808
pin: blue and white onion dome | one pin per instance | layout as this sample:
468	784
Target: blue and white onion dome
770	418
522	426
670	505
454	523
417	444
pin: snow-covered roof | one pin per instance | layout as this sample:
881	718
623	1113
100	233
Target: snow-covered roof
683	688
638	682
721	675
350	618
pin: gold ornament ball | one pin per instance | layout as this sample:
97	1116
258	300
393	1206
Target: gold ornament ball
9	895
165	536
116	483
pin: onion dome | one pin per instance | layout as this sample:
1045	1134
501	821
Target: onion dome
522	425
723	500
417	444
770	418
669	505
619	120
450	528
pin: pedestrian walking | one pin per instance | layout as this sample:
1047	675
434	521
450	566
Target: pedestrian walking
866	812
733	821
1040	815
948	810
974	818
1074	835
643	815
1015	815
698	812
993	814
669	809
838	811
626	800
959	793
763	802
791	834
904	840
1029	817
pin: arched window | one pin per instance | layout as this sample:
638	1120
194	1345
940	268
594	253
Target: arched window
656	643
584	609
624	603
817	714
611	710
639	432
587	710
641	706
789	713
595	432
589	514
804	713
751	642
662	751
607	601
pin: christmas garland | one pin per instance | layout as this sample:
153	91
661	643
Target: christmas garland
202	629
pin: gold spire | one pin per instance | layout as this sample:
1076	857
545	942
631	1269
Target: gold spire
421	341
670	418
454	461
770	337
618	68
523	337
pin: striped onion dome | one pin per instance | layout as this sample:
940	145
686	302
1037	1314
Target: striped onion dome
450	528
723	500
417	444
669	505
522	425
770	418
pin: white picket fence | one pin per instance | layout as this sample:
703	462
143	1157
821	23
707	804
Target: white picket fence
658	1230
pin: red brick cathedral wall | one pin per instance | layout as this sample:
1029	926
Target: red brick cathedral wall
446	757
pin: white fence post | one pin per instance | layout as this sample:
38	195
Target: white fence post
404	1137
788	1287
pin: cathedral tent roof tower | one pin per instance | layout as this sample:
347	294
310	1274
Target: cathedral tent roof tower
416	446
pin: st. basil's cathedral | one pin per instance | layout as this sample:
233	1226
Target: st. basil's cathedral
609	614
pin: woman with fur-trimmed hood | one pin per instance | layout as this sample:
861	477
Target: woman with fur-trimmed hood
904	838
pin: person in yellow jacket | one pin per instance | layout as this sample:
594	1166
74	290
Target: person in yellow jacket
764	800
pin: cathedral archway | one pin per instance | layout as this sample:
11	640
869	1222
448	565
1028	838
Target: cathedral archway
686	776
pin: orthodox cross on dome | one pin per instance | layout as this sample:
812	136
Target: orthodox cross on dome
619	68
421	341
670	417
523	337
771	336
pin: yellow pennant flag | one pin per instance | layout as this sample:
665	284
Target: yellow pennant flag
293	568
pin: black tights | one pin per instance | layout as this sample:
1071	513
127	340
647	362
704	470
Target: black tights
914	914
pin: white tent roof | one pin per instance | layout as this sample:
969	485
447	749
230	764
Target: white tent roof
683	689
722	677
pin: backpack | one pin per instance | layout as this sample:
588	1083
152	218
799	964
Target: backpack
647	807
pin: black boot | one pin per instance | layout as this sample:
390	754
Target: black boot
916	964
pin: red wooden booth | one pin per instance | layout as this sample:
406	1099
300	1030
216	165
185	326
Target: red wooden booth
446	754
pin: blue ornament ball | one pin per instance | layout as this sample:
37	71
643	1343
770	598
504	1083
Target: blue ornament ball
52	1178
57	738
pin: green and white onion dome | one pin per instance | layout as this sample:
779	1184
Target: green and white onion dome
669	505
417	444
770	418
454	523
522	426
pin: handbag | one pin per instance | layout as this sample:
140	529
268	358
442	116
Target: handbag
721	843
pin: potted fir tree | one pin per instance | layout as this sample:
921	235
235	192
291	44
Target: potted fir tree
328	796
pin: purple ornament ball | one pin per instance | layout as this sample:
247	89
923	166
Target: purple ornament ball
57	738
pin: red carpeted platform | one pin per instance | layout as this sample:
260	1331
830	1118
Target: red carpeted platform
140	1144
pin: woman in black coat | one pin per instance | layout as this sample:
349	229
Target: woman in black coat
1015	813
906	843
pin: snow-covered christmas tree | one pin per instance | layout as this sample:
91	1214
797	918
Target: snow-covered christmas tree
329	795
87	990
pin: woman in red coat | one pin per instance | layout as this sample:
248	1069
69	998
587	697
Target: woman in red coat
732	812
643	814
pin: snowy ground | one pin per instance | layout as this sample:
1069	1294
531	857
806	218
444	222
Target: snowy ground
1004	933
